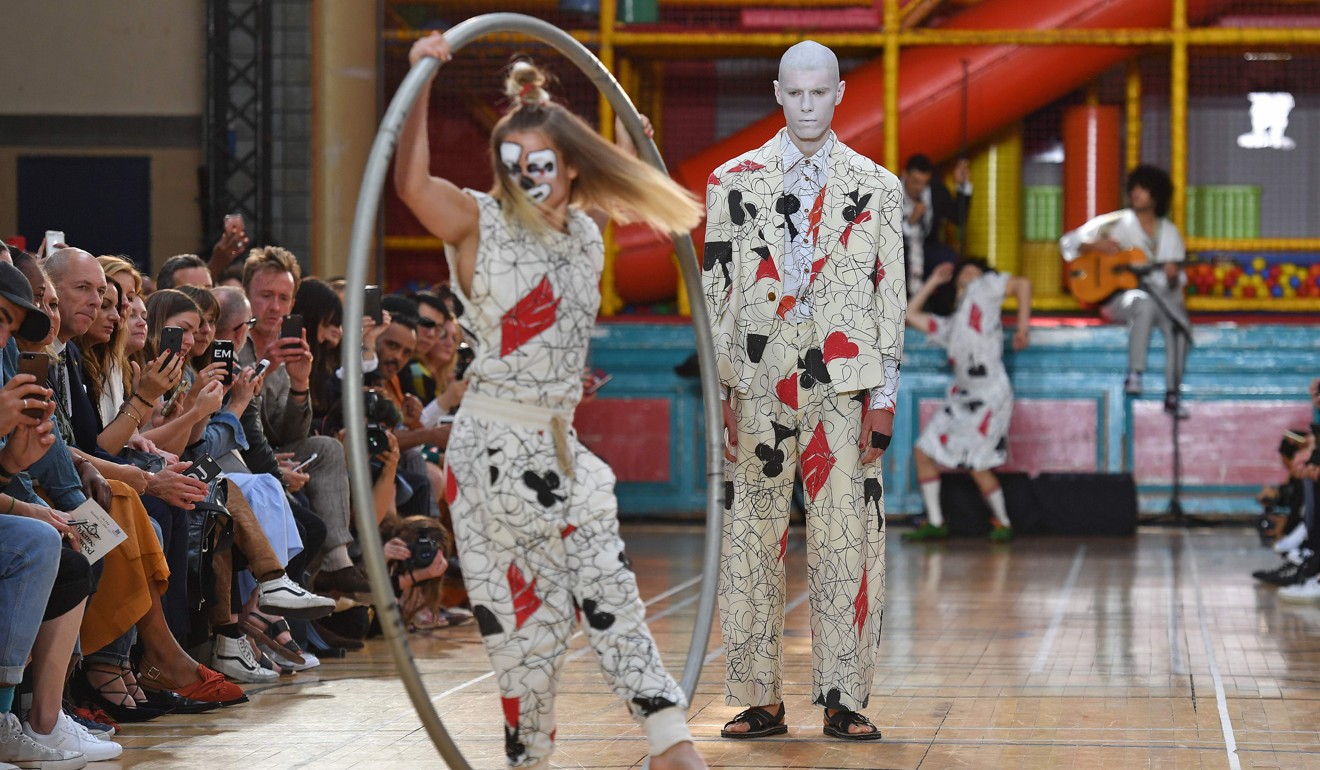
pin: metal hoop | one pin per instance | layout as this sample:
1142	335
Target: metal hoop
364	221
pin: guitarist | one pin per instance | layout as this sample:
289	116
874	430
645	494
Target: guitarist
1158	302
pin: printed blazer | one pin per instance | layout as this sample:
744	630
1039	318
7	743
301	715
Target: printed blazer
858	297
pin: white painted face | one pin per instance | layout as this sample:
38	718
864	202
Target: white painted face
535	170
808	97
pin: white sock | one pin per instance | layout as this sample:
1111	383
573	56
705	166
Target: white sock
336	558
930	494
996	501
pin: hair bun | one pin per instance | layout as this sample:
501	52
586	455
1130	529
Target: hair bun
525	84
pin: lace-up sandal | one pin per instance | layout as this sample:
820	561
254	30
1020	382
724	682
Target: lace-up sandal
837	726
118	703
760	723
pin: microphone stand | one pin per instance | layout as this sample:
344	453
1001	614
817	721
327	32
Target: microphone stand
1175	516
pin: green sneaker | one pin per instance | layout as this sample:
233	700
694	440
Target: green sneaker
925	532
1001	534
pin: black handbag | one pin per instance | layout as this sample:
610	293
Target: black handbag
210	530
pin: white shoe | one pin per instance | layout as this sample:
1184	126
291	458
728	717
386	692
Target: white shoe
281	596
1293	539
71	736
280	656
1132	384
19	750
1306	591
234	659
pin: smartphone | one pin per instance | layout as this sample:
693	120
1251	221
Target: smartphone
204	469
292	326
233	223
53	238
260	367
306	462
595	381
37	365
171	339
372	305
223	351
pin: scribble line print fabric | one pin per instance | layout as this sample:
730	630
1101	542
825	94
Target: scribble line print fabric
799	393
541	549
970	432
533	304
809	426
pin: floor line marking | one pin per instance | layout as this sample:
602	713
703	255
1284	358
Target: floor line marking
1225	722
1065	593
657	598
1175	647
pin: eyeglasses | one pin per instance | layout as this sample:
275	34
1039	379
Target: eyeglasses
249	323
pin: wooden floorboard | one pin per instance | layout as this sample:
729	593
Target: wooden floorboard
1155	651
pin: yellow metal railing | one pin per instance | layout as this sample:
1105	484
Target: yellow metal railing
896	32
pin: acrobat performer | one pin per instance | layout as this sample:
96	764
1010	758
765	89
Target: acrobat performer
970	432
534	511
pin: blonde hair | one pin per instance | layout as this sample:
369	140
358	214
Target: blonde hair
608	179
101	358
271	258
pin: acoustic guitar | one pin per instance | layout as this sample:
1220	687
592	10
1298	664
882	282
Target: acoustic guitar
1094	277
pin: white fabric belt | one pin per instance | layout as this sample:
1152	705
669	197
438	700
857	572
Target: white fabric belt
557	421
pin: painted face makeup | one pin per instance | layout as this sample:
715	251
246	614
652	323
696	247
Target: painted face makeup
534	177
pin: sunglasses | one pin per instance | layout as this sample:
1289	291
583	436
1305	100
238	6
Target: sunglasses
426	323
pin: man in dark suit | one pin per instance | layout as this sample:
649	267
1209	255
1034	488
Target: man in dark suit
926	207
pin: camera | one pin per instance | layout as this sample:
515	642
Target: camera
422	553
378	440
465	355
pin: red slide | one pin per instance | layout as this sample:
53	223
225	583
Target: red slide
1004	84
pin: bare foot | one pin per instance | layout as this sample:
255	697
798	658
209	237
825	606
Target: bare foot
680	756
741	727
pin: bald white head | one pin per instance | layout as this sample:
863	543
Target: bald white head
809	55
808	88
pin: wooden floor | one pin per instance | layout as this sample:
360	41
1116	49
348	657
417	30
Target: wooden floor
1157	651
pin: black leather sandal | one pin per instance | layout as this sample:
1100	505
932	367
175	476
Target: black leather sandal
837	726
760	723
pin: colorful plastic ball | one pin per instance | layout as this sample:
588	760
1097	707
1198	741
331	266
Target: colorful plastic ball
1276	291
1258	263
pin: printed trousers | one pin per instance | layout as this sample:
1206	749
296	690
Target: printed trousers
541	552
791	419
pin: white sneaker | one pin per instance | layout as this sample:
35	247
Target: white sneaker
1292	540
310	661
19	750
282	596
234	659
1306	591
71	736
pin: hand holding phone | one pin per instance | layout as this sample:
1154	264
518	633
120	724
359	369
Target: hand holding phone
222	351
292	327
205	469
594	381
298	468
38	365
171	340
371	306
260	368
54	241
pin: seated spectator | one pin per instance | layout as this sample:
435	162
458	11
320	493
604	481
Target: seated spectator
270	278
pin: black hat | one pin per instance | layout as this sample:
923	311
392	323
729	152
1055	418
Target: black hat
14	287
